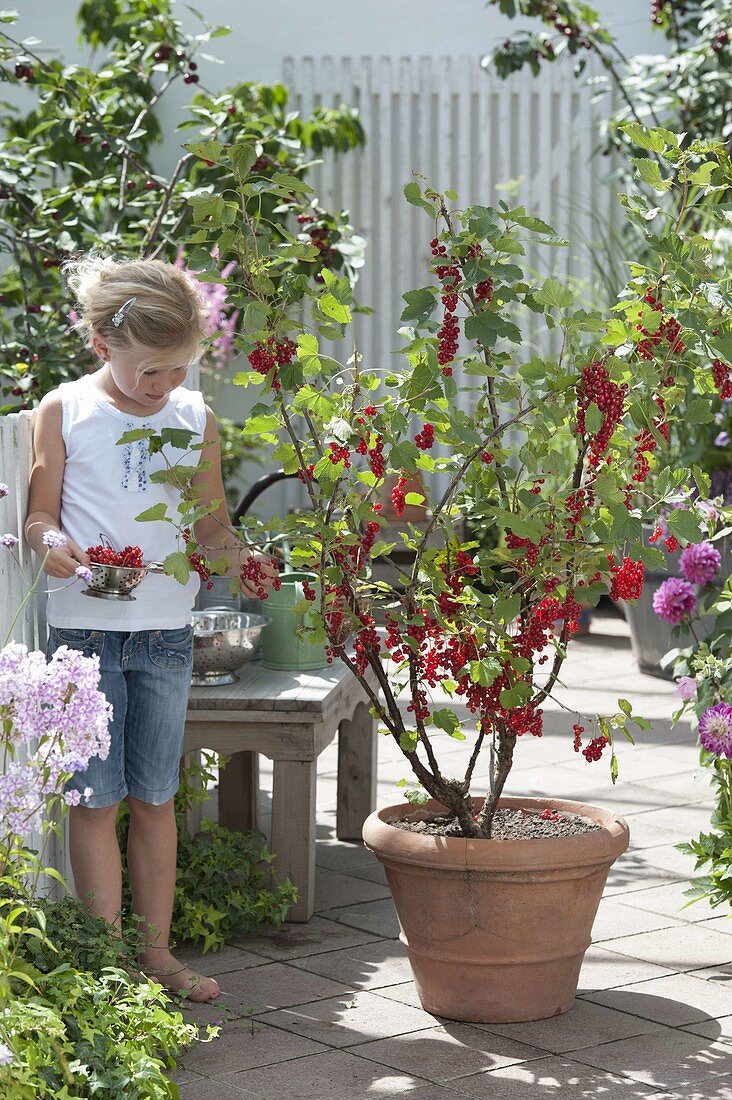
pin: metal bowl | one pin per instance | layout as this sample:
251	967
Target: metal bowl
115	582
223	641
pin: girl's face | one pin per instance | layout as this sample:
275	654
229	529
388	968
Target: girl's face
149	381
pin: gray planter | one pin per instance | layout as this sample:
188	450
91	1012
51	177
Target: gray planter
650	636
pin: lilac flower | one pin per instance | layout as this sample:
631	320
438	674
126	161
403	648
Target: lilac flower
700	562
53	539
84	573
686	687
8	540
55	720
715	729
722	439
673	600
3	490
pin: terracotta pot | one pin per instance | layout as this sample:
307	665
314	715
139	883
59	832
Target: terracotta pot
496	930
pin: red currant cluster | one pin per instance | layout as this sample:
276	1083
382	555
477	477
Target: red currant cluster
129	558
426	438
252	571
24	72
448	335
484	291
721	376
594	749
339	453
627	579
270	355
577	730
596	386
398	495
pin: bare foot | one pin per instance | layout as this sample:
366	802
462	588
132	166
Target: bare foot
178	979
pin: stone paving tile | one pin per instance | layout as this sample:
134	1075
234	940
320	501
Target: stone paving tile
247	1044
293	941
719	1029
676	1000
604	969
667	1059
678	948
377	917
353	1018
671	901
228	959
616	919
450	1050
370	966
550	1077
334	890
585	1025
276	986
336	1075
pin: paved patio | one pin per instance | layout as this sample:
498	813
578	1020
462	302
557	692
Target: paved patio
328	1009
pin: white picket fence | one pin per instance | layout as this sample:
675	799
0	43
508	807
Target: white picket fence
461	128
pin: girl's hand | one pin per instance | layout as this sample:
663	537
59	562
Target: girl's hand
258	571
63	561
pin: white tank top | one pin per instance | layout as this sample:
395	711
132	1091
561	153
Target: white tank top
105	486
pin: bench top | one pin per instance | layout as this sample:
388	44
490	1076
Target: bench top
259	688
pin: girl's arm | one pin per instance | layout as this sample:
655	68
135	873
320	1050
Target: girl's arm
215	530
46	482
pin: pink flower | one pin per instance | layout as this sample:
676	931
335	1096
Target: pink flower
686	687
700	562
673	600
715	729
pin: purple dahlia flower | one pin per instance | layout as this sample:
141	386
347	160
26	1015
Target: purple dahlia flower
673	600
715	729
700	562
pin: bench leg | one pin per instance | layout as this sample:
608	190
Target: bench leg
357	746
239	792
293	830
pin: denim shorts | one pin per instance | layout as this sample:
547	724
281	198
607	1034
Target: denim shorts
146	676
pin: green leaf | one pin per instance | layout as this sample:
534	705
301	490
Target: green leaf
593	418
684	524
177	565
307	353
180	438
650	172
420	305
517	695
487	327
485	671
552	293
158	511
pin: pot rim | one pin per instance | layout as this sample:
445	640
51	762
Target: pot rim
458	853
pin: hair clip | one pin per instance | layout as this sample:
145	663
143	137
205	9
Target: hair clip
119	316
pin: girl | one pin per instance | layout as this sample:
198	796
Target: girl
145	320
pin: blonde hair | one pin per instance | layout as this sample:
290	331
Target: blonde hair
168	313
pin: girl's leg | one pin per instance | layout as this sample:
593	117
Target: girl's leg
95	860
151	859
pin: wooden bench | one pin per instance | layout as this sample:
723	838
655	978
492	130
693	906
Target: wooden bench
289	717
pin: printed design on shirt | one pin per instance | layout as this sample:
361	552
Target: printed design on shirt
135	462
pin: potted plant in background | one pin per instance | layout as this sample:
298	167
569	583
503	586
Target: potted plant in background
458	659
